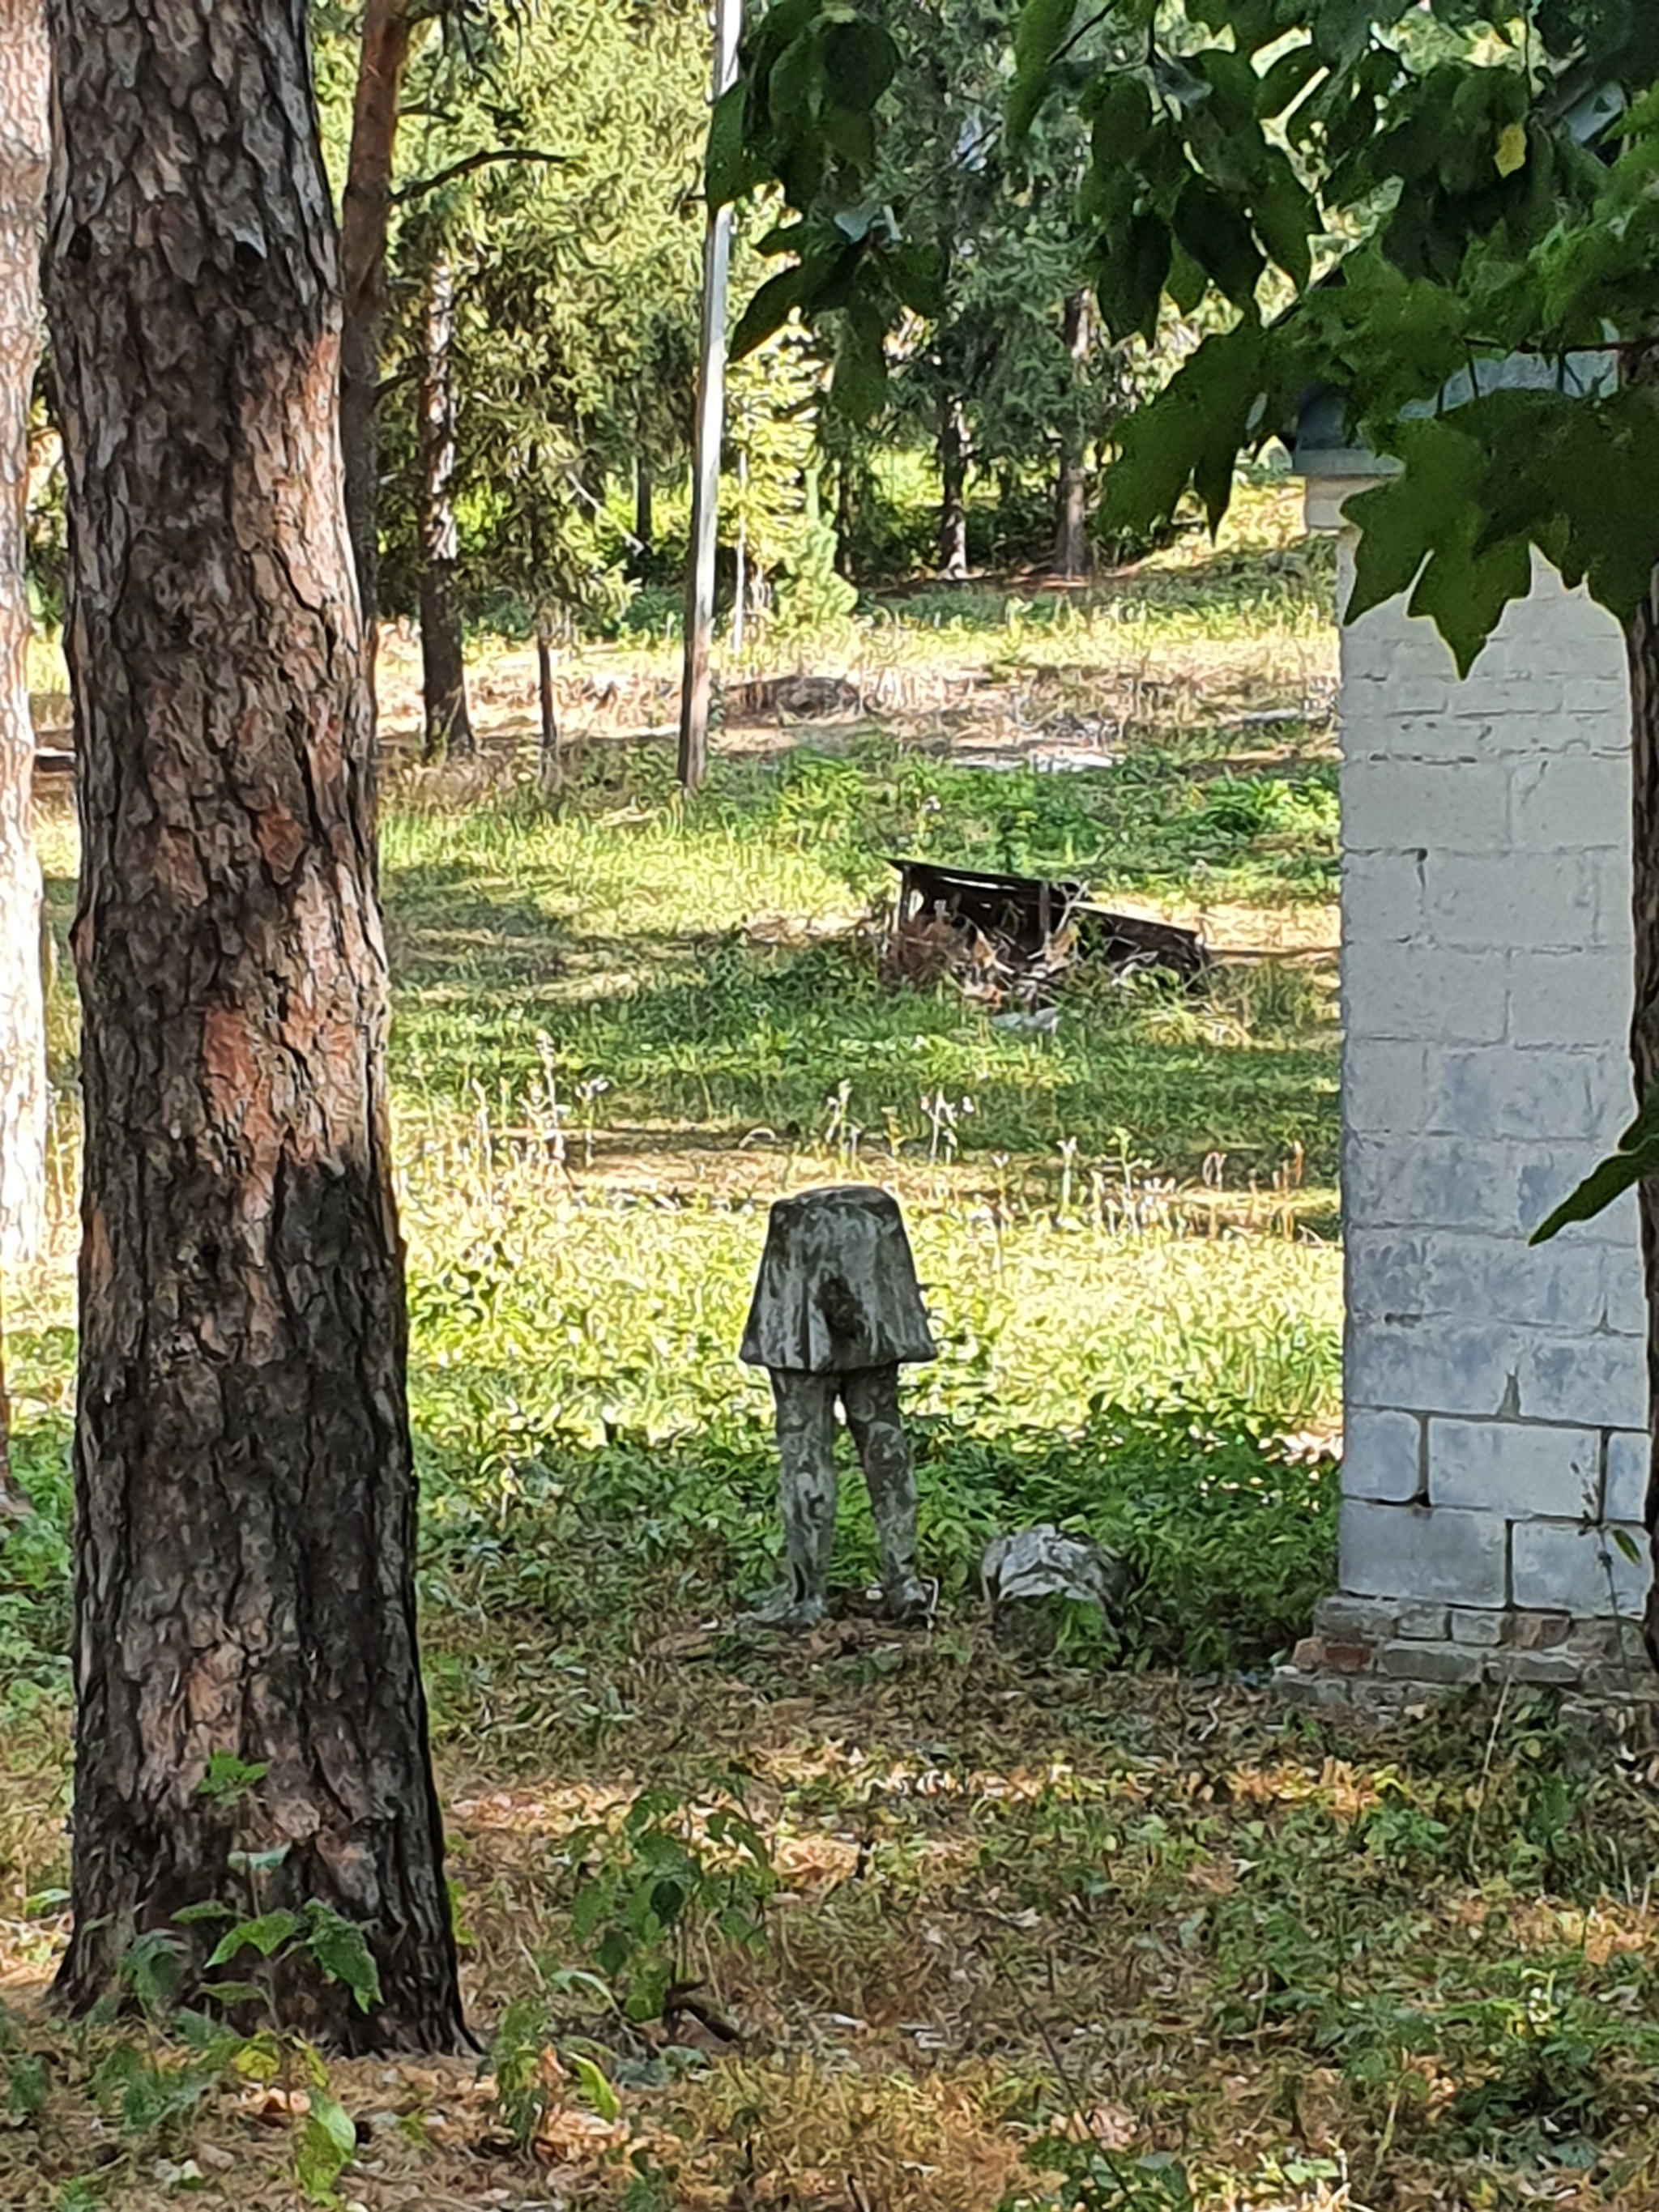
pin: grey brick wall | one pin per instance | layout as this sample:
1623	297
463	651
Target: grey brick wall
1495	1394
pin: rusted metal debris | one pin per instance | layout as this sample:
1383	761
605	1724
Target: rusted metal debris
1007	938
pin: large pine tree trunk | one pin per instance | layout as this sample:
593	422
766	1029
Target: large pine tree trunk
953	490
244	1497
443	666
23	147
1071	488
1642	651
365	219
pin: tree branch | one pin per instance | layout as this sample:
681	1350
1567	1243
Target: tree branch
419	186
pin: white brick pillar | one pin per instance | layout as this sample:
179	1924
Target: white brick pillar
1496	1398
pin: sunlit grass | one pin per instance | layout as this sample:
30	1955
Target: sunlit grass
705	965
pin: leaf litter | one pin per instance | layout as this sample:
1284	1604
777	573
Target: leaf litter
1028	1936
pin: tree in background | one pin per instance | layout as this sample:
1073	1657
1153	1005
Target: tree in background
23	1088
244	1549
384	39
999	374
961	243
573	272
443	661
773	405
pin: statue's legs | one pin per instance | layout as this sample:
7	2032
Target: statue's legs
805	1409
870	1396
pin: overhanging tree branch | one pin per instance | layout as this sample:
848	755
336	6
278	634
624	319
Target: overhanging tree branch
418	187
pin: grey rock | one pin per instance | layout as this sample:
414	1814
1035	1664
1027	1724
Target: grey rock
1422	1620
1044	1562
1546	1669
1485	1630
1430	1662
1356	1619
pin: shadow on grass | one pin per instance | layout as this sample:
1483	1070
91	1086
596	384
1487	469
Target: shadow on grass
1218	579
724	1033
1228	1541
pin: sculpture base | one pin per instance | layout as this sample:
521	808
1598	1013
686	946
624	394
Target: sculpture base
1385	1655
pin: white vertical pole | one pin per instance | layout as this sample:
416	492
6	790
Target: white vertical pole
706	461
740	593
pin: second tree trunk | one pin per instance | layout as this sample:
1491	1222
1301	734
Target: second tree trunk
443	667
953	490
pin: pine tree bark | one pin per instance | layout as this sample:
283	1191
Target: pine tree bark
1642	655
364	222
1071	488
23	1094
244	1488
953	490
443	665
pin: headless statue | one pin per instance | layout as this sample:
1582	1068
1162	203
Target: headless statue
836	1311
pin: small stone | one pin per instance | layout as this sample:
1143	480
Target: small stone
1449	1663
1349	1658
1044	1562
1539	1632
1544	1669
1298	1689
1308	1653
1427	1621
1485	1630
1355	1619
1611	1681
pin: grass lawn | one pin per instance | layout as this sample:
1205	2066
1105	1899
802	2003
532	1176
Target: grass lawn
977	1917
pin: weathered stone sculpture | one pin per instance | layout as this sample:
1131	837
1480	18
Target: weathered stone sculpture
836	1311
